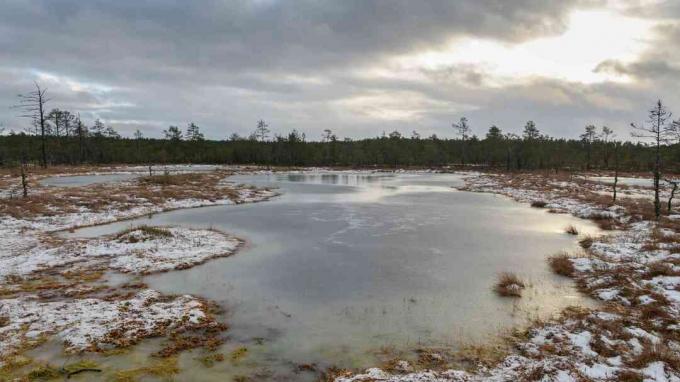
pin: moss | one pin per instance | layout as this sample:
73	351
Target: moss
239	354
164	368
80	365
211	359
44	373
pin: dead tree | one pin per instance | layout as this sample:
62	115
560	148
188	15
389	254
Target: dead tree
616	168
658	130
674	185
24	183
33	106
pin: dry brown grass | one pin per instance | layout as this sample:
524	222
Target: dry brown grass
509	285
52	201
571	230
655	353
538	204
561	264
586	242
150	231
171	180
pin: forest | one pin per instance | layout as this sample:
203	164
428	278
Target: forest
59	137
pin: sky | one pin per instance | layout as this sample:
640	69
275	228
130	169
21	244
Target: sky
357	67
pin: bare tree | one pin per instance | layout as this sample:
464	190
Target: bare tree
658	130
33	106
617	145
261	131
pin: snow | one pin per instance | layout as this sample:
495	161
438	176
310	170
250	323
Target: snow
87	324
31	250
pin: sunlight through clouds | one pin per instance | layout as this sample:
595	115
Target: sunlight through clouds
591	38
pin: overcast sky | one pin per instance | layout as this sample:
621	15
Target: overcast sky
358	67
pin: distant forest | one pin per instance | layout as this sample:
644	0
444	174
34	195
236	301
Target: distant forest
495	150
60	137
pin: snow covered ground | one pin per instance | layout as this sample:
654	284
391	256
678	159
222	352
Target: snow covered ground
34	260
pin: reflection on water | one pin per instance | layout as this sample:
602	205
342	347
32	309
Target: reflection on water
342	264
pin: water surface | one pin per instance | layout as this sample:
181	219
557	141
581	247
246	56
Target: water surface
342	264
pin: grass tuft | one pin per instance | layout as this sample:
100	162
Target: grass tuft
509	285
571	230
561	264
586	242
148	232
539	203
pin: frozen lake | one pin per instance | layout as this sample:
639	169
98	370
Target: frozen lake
343	264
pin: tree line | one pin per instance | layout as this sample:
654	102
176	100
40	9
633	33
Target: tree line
60	137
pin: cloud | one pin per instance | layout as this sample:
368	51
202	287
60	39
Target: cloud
315	64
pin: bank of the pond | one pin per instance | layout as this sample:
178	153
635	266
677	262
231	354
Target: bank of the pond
56	287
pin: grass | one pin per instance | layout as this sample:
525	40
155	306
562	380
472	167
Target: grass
211	359
170	180
571	230
561	264
149	231
163	369
538	204
509	285
586	242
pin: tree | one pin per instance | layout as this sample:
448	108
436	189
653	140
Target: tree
658	130
98	128
81	131
33	106
261	131
415	135
173	133
588	137
494	133
531	132
110	132
194	133
56	116
462	129
606	134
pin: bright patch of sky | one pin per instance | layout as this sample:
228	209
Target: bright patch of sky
591	37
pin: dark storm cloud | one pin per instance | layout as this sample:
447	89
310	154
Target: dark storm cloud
225	64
